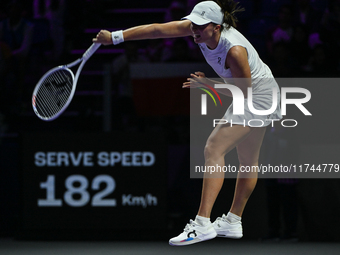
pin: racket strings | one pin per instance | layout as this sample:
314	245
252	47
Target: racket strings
54	93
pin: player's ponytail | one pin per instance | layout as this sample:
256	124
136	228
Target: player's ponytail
229	9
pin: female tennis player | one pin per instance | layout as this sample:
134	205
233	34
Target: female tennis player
212	25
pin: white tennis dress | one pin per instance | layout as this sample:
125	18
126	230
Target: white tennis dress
262	79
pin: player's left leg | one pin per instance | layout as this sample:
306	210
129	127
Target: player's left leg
223	139
248	153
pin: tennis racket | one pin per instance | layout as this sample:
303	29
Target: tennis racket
54	91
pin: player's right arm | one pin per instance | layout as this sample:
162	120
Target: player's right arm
151	31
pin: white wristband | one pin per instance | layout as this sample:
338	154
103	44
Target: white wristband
117	37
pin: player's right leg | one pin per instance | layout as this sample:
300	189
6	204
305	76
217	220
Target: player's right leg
222	140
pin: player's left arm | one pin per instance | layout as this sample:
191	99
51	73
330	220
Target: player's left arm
237	61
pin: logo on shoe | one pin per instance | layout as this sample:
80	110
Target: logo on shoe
190	238
193	232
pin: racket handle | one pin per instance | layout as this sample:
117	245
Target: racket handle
91	50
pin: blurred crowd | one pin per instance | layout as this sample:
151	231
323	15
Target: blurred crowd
295	38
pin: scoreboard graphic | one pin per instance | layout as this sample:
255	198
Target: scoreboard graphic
93	181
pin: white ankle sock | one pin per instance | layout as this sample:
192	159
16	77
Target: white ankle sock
202	220
232	218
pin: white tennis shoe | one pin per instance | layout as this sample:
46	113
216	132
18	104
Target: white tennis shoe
194	233
224	228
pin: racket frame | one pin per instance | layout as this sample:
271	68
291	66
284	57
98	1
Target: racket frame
89	52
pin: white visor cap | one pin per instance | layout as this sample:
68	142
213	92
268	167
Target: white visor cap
206	12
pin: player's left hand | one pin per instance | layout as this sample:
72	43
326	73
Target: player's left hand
197	80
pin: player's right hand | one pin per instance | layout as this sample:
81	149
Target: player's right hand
103	37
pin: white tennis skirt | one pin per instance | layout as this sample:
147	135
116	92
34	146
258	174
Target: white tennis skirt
262	99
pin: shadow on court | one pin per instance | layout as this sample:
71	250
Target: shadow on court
218	246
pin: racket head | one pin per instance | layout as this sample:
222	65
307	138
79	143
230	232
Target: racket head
53	93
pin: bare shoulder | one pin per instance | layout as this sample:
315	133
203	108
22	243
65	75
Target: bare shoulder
237	61
237	52
237	55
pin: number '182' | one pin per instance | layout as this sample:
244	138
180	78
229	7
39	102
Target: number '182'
80	190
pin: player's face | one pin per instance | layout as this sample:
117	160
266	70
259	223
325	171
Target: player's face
202	33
